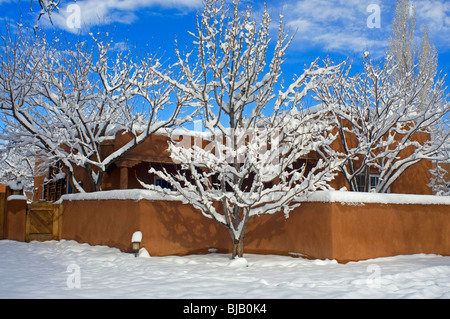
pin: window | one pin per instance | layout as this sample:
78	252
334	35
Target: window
361	181
162	183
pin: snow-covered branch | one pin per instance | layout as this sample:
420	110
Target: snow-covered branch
385	122
69	98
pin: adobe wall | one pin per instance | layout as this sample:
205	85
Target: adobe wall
15	219
413	180
169	228
110	222
349	231
323	230
307	232
372	230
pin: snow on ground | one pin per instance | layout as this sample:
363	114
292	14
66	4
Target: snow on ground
67	269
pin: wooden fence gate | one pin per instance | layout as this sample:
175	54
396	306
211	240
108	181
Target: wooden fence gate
42	221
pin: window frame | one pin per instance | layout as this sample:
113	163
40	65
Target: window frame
165	183
362	177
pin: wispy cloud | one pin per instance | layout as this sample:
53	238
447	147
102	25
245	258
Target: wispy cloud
99	12
436	15
338	26
341	25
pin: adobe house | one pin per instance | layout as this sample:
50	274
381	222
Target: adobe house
123	174
323	229
413	180
135	164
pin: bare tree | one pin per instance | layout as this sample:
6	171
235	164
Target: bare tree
260	139
406	52
17	164
47	7
439	184
384	125
392	114
67	99
402	40
428	64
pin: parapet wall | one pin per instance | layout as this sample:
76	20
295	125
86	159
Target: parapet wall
168	227
331	225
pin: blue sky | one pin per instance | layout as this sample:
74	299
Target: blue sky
338	28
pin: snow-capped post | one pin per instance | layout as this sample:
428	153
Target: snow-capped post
15	187
261	136
135	242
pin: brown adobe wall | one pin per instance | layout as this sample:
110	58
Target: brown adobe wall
153	148
108	222
350	232
169	228
39	187
413	180
15	219
307	231
344	232
380	230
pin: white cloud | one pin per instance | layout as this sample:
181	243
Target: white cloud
99	12
338	26
331	25
341	26
436	15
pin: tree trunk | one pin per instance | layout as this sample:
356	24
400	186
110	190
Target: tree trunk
238	243
99	181
367	179
96	183
238	247
98	187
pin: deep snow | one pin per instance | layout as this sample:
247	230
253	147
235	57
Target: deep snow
67	269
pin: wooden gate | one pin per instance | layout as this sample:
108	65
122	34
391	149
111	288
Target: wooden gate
42	222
